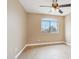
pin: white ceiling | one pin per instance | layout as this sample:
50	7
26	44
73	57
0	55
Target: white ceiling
33	6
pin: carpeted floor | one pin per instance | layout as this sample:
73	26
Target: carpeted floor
60	51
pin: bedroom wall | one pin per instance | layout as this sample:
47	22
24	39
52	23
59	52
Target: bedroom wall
16	28
68	28
34	29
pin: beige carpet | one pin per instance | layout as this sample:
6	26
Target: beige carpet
47	52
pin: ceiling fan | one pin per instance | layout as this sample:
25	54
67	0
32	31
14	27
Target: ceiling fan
56	6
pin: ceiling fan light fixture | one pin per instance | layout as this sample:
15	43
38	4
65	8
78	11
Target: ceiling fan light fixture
57	10
53	9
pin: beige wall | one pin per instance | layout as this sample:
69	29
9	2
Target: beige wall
34	31
68	28
17	23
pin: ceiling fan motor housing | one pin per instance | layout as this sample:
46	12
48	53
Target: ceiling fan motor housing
55	5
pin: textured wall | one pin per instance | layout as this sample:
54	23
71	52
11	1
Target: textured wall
17	23
68	28
34	29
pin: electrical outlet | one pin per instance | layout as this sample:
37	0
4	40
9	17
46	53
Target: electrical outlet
38	40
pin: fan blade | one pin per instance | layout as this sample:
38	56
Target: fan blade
60	11
45	6
65	5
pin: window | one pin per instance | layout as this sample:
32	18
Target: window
49	26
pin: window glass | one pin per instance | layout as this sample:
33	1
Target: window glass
49	26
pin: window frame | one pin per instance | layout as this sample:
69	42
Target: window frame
57	31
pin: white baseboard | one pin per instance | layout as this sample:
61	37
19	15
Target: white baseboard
68	43
20	52
37	44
